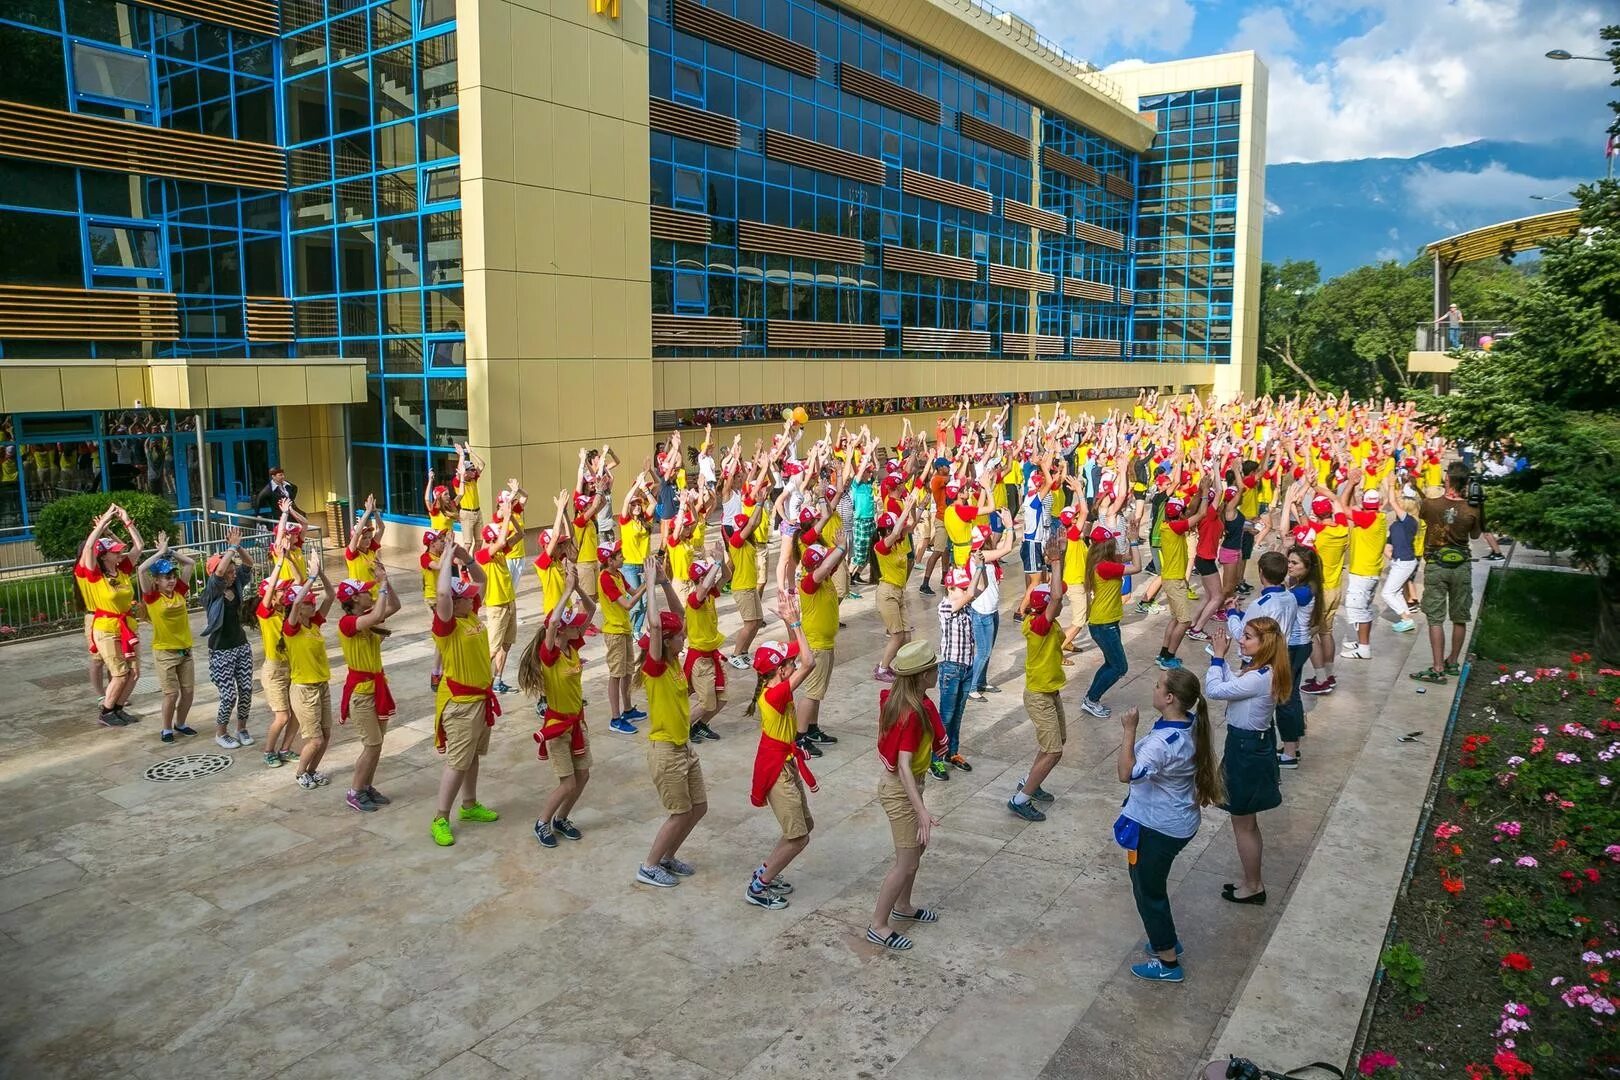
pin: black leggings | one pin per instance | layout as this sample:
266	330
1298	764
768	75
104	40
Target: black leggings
1150	875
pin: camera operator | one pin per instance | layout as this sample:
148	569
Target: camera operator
1495	469
1450	522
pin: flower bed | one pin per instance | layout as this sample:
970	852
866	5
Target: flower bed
1506	962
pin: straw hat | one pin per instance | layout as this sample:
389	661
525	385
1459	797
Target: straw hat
914	658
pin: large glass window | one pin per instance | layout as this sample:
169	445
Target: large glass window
103	75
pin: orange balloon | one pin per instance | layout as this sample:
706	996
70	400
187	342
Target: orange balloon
799	415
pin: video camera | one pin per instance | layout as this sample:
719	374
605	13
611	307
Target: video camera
1475	496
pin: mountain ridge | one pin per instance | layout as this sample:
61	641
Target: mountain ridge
1343	214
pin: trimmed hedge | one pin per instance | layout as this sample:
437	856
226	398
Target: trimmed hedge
62	525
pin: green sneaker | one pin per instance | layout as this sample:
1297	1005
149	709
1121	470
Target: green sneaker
273	761
478	812
441	832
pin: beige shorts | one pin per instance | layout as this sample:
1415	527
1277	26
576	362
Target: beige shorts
500	623
1175	595
275	679
902	815
587	578
175	670
466	735
563	762
363	711
677	775
312	707
1074	598
891	605
705	695
815	687
1331	598
111	652
1046	713
840	577
619	662
750	605
940	541
472	523
787	802
927	526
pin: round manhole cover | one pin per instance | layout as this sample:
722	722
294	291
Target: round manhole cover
187	767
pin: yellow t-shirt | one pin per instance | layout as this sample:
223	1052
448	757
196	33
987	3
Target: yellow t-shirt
892	564
1074	563
741	550
1249	501
818	610
171	624
270	634
497	580
306	652
440	522
362	650
560	672
519	547
430	577
1106	605
635	541
1172	554
1331	543
107	593
1367	546
1043	656
680	560
553	582
669	703
464	653
469	496
585	540
959	531
361	565
610	585
780	724
703	625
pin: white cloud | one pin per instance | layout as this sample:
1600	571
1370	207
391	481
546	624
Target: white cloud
1094	28
1428	75
1494	186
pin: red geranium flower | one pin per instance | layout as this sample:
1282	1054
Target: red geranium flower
1517	961
1511	1065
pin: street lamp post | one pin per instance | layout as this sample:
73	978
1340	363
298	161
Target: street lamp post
1565	54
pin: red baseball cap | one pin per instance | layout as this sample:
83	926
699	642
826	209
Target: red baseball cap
1321	506
349	588
958	577
773	654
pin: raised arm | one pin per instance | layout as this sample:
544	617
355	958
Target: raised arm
87	553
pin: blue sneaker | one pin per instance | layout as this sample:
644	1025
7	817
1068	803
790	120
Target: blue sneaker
622	726
1025	810
1168	663
1404	626
634	714
543	833
1040	794
501	687
1155	971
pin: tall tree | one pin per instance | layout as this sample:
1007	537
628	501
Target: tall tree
1285	334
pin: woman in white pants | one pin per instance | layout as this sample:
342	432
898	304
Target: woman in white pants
1400	551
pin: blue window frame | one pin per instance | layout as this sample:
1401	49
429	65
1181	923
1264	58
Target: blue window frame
691	293
435	12
688	85
111	77
441	185
124	253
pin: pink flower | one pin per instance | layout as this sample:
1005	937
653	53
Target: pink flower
1590	957
1446	830
1566	758
1376	1060
1537	745
1527	861
1613	852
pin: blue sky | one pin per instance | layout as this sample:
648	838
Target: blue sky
1371	78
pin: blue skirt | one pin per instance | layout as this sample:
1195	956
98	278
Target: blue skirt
1250	771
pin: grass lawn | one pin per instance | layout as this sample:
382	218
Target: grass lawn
1536	615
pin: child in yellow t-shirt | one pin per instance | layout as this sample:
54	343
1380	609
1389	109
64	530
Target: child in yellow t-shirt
163	581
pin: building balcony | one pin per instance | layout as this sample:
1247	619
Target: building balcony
1439	347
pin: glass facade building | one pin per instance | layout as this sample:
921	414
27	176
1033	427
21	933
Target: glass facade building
344	235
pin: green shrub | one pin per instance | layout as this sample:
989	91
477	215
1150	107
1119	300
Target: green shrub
1405	968
60	528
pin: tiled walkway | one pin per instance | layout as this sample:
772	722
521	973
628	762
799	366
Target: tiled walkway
236	925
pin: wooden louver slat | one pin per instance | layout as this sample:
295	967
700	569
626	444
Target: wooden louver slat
1025	214
1088	290
259	16
829	159
1016	277
1095	347
864	84
1096	234
707	23
1119	186
268	318
667	224
1127	296
36	312
971	127
912	261
1070	167
806	243
96	142
797	334
945	191
690	122
1041	344
696	332
935	339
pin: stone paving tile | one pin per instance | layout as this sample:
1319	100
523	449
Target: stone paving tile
171	930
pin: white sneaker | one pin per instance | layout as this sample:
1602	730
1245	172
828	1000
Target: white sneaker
1095	708
244	739
226	741
319	779
1360	652
1348	649
740	662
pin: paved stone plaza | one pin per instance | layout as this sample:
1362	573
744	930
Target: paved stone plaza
235	925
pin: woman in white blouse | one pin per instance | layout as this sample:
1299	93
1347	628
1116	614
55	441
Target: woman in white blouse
1249	767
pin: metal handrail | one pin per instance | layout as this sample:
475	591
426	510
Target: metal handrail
1438	336
1020	29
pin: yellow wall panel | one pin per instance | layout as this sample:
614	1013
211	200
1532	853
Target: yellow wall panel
606	225
536	316
607	156
570	63
530	39
607	58
574	252
570	149
533	141
573	326
504	397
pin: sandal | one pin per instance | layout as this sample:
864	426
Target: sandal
1429	675
896	940
1452	668
1068	662
922	914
